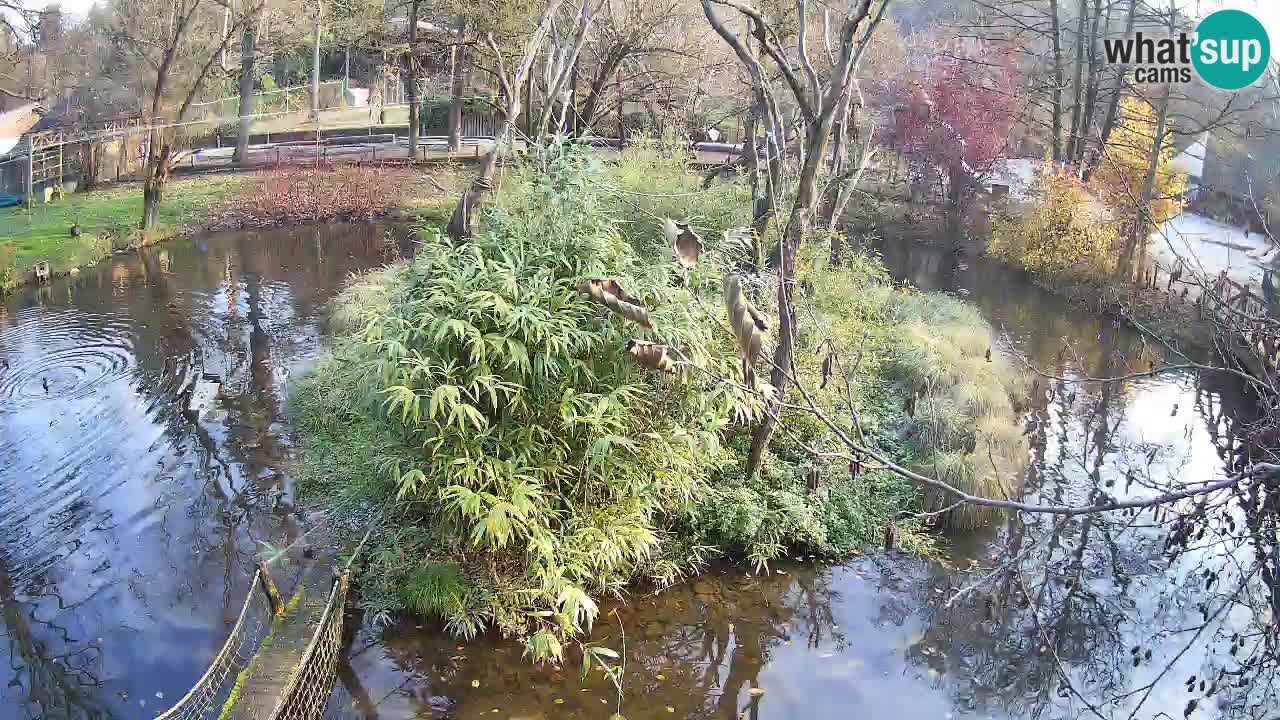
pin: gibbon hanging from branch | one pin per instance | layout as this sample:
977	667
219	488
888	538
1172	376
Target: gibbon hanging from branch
749	326
610	294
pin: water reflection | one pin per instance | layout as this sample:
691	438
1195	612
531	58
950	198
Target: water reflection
1043	617
126	529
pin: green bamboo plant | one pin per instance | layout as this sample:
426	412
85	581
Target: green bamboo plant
547	453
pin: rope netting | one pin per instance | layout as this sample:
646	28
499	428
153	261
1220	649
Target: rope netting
310	682
209	692
309	688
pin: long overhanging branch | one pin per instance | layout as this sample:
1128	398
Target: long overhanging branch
1269	471
857	450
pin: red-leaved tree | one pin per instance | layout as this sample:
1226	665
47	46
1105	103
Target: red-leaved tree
954	118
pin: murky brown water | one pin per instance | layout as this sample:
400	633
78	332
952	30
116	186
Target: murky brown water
126	532
880	636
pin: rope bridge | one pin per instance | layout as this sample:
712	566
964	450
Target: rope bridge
289	674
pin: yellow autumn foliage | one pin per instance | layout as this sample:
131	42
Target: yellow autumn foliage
1065	230
1122	173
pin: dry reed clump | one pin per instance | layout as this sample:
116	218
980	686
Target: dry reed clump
311	194
966	418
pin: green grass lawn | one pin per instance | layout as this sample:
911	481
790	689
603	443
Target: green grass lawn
107	218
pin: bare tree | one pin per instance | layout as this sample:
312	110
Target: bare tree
411	59
459	71
16	23
561	63
173	42
510	82
818	100
623	31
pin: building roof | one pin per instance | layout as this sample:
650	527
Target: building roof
15	123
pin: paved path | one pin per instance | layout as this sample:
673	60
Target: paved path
430	149
1209	247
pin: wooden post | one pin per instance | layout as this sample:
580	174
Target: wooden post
622	104
269	586
31	161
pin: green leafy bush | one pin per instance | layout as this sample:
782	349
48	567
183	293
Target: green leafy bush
529	468
652	183
532	437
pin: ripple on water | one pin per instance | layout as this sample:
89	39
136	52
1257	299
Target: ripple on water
61	356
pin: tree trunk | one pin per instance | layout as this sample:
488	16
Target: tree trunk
315	65
463	221
759	205
839	134
622	112
560	66
1074	138
89	156
571	102
152	194
835	167
1091	85
957	185
1138	239
1056	97
159	155
248	46
1113	103
458	84
798	224
599	86
413	80
763	184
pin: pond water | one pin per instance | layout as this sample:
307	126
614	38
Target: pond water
128	533
126	530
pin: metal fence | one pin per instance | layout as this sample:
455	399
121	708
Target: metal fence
50	162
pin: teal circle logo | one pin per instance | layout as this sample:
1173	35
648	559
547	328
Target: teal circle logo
1231	49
